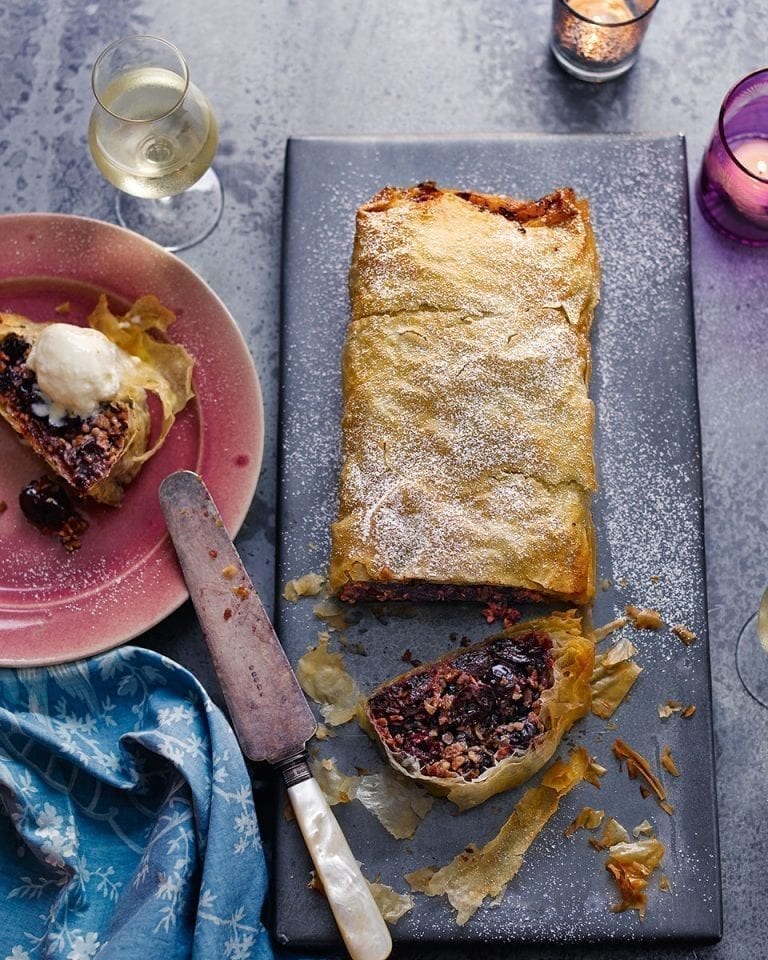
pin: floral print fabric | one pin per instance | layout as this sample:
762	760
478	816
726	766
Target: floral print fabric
127	825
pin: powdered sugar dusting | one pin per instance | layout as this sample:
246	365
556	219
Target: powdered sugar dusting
470	464
647	512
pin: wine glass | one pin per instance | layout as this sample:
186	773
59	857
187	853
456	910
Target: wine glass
752	653
153	135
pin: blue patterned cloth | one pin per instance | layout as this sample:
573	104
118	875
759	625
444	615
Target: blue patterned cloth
127	824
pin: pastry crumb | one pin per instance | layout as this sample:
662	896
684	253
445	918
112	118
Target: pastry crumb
668	762
229	571
654	578
408	657
242	592
65	307
614	833
324	677
307	586
670	707
664	885
631	865
637	765
607	629
644	618
606	584
688	712
332	613
612	678
684	633
587	819
392	905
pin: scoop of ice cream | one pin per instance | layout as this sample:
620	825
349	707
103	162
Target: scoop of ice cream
77	369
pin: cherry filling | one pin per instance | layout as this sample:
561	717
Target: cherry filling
461	715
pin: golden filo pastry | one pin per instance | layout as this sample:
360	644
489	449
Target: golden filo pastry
467	426
486	718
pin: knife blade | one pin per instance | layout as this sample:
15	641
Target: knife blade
270	715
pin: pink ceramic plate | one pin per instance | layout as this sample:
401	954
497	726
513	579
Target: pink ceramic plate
56	606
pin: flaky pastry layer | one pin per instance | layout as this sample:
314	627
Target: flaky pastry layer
467	427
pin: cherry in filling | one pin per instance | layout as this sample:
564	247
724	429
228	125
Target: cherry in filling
46	504
461	715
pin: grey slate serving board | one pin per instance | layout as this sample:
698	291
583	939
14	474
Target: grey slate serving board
648	515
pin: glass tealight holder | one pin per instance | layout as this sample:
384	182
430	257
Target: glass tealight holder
598	40
732	189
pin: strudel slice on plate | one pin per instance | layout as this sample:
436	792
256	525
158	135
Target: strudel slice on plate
78	395
467	426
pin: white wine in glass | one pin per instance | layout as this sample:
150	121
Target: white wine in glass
153	135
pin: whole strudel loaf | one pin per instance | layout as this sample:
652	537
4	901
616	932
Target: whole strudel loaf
467	426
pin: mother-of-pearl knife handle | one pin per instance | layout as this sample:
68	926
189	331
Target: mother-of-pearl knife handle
361	924
271	716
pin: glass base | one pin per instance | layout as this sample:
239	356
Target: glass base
752	661
721	214
178	222
589	72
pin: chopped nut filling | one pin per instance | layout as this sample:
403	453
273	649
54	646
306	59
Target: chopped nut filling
495	598
463	714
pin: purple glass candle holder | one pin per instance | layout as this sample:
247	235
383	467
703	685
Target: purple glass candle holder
732	189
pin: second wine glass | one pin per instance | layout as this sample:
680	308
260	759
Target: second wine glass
752	653
153	135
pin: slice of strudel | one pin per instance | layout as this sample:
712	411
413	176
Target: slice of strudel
467	426
486	718
78	395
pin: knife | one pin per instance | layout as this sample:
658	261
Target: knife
269	712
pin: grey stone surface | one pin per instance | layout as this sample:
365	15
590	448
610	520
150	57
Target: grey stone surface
438	66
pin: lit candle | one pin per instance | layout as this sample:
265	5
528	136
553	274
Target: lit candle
732	188
749	191
598	39
753	154
603	11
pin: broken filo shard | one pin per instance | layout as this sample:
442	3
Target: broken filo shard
467	426
485	718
